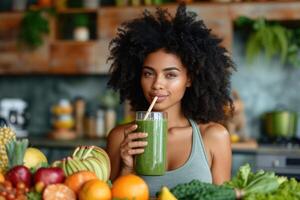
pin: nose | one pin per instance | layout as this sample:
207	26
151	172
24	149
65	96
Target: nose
158	83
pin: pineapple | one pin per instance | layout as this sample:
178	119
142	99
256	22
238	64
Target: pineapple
6	135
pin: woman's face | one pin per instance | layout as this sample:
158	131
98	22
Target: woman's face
164	76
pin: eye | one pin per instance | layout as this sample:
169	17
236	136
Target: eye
171	75
147	73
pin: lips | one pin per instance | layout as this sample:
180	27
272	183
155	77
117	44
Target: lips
161	97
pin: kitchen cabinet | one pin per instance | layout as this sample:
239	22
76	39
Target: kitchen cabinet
63	56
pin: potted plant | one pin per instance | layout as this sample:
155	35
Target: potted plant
81	27
271	38
34	26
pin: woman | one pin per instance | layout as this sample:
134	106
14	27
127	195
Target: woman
181	62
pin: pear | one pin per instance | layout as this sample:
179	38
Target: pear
165	194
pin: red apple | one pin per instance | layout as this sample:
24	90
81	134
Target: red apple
19	174
49	175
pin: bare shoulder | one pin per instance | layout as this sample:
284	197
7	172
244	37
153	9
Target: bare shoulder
214	131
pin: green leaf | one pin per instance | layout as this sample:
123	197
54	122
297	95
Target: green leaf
282	39
253	47
243	21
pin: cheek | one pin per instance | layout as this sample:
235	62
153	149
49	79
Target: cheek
144	84
179	86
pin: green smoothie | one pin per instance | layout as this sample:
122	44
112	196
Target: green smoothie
153	160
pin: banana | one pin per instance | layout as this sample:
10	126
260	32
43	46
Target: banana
104	169
100	153
64	166
72	165
102	156
75	152
88	165
79	151
70	168
87	152
57	163
97	169
78	164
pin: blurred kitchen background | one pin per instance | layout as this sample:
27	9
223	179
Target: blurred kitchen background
53	73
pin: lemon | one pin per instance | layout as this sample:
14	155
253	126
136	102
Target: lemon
165	194
234	138
34	157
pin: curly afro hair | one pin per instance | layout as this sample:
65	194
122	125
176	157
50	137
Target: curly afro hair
208	64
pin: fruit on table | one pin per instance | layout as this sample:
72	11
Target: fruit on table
95	190
130	187
58	192
19	174
2	178
50	175
15	150
77	180
234	137
34	157
165	194
90	158
6	135
9	192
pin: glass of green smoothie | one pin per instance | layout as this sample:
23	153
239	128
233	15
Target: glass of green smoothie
152	162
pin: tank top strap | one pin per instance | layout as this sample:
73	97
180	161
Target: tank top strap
197	139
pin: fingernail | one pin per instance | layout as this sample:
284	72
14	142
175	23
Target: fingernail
146	134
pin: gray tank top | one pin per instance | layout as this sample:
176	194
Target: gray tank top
196	167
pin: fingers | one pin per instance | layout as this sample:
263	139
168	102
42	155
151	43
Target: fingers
135	136
130	129
131	152
130	143
135	151
133	143
136	144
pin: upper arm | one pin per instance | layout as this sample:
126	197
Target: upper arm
218	140
114	140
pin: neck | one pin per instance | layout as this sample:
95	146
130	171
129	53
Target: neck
176	118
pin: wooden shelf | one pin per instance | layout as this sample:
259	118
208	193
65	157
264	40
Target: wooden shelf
72	42
76	10
217	16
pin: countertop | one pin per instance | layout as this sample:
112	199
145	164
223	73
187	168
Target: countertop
252	147
249	147
44	142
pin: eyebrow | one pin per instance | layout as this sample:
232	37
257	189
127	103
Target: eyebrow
165	69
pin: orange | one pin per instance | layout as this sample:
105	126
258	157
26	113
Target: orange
58	192
2	179
76	180
130	187
95	190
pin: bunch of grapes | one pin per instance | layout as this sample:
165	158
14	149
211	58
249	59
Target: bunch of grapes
8	192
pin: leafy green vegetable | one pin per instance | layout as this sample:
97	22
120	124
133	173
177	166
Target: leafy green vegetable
260	182
34	196
241	179
196	189
289	189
